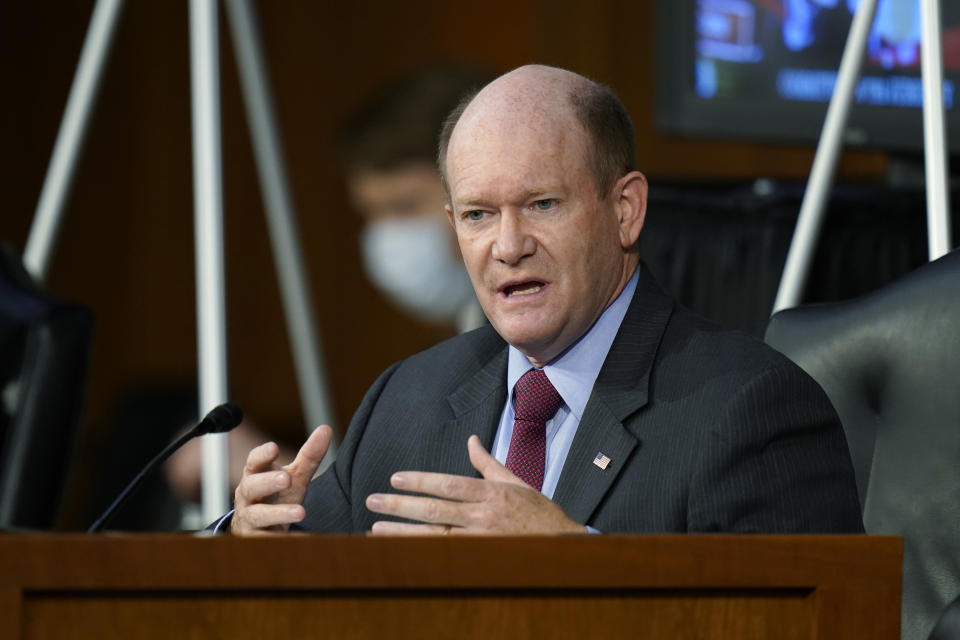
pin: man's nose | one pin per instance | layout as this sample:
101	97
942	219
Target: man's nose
513	241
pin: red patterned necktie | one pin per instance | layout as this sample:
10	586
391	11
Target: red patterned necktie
534	402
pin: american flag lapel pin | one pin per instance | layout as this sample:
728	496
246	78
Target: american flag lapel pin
601	460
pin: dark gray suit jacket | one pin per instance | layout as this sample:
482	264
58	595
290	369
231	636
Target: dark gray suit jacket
706	430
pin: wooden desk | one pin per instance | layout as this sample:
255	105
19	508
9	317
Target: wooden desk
178	586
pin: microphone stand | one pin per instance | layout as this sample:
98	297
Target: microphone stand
137	482
220	419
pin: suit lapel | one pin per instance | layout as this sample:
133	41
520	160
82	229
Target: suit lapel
583	484
621	389
477	405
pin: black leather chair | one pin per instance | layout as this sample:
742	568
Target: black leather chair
44	354
890	363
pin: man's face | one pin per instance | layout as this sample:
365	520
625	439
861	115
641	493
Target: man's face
542	250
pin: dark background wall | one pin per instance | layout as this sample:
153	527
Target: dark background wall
126	248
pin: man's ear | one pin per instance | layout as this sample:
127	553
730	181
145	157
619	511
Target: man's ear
630	200
449	211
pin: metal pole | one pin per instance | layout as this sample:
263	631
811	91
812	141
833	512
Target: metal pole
281	217
208	228
70	137
934	132
804	243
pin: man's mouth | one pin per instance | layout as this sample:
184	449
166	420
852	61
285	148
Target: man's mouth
522	288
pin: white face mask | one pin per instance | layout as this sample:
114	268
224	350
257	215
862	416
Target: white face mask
412	261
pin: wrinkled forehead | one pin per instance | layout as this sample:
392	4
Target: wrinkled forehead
509	107
514	132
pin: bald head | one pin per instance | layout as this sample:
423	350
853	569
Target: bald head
529	96
549	100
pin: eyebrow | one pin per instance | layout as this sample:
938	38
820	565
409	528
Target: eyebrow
533	194
469	202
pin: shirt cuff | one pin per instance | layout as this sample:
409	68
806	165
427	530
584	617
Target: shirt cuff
223	524
592	530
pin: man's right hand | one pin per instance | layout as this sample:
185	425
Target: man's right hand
269	496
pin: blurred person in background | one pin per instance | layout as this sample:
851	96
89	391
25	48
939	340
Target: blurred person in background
389	149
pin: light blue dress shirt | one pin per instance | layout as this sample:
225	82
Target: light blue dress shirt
572	375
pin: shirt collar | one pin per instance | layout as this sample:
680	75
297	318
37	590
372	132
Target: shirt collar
575	371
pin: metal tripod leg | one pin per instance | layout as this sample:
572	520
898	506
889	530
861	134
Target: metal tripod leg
934	132
70	137
805	235
208	223
281	218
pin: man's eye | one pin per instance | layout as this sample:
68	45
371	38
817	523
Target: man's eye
545	205
475	215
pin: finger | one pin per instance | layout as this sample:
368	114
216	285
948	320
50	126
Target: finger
311	453
488	466
384	528
260	458
431	510
258	486
262	516
442	485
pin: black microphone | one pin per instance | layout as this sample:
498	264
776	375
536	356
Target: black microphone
221	419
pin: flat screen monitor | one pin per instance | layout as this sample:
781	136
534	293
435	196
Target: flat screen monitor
764	70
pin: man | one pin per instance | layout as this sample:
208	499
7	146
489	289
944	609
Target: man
606	407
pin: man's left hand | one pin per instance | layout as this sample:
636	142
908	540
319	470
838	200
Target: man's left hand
499	504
